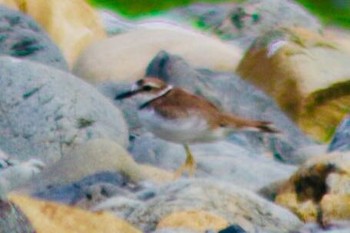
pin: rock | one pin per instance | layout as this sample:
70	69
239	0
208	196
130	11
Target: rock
244	22
129	53
85	192
236	205
115	24
336	207
289	61
47	112
221	160
120	206
207	16
155	174
12	219
322	180
17	174
22	37
340	35
93	157
334	227
341	137
10	4
233	229
195	220
91	173
174	230
71	32
51	217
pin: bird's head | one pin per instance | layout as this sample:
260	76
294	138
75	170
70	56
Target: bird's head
151	87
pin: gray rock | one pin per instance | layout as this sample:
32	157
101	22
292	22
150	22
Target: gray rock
332	227
241	23
205	15
115	24
236	205
46	112
235	95
233	229
254	17
120	206
341	138
18	173
13	220
220	160
22	37
93	188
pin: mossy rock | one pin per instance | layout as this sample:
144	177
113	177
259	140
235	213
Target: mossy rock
307	73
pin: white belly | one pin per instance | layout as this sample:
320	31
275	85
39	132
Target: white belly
184	130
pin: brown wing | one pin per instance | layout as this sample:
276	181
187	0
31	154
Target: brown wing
236	122
168	105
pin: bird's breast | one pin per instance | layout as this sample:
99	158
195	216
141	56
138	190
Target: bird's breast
191	129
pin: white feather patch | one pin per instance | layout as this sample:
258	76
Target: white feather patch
274	46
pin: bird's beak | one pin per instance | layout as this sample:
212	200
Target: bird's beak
134	90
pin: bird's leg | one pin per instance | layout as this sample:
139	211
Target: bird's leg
319	217
190	162
189	165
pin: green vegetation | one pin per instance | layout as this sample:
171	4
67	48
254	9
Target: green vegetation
329	11
134	8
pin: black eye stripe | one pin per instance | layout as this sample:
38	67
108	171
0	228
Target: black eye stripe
147	88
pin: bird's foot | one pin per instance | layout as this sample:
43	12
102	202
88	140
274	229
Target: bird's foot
188	167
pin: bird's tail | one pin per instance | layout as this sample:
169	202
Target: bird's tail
228	120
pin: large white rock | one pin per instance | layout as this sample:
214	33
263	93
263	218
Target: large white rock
126	56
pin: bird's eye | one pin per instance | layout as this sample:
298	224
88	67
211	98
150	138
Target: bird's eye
147	88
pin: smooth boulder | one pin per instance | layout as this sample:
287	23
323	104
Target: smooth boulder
22	37
46	112
125	57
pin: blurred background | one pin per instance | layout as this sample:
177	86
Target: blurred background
330	12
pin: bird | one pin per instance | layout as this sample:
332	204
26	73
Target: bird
176	115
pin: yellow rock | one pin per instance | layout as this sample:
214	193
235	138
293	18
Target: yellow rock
306	211
126	56
72	24
335	204
155	174
196	220
10	3
306	73
341	36
48	217
92	157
